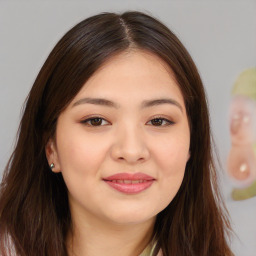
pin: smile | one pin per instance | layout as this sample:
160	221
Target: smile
129	183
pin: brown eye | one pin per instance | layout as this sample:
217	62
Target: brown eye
157	122
95	121
160	122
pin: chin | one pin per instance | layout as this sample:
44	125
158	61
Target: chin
131	217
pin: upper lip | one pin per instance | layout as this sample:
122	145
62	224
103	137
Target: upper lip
129	176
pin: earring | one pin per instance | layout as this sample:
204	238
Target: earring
52	165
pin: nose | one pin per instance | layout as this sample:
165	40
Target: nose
130	146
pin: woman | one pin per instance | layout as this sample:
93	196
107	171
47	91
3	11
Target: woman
113	155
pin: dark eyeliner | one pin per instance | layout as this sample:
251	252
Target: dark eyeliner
169	122
98	123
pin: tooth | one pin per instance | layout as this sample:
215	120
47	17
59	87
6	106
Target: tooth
127	181
135	181
120	181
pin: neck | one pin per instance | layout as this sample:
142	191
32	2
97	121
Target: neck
96	238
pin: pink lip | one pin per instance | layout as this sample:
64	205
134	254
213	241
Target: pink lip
142	180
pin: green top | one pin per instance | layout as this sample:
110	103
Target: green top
148	251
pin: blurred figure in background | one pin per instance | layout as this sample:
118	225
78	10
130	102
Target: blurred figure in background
242	155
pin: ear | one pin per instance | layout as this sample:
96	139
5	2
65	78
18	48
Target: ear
52	155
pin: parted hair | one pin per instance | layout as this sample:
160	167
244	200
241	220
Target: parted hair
34	210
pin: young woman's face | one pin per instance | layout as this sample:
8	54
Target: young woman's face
123	142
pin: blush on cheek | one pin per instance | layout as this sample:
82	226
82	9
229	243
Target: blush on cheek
174	156
170	187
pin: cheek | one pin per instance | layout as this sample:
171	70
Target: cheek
74	165
173	166
79	153
81	159
171	158
172	155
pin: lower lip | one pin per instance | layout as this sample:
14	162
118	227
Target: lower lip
131	188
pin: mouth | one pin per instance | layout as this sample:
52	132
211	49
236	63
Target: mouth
129	183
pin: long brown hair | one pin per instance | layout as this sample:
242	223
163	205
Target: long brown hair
34	210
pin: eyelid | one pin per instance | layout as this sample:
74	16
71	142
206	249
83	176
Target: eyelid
86	119
169	122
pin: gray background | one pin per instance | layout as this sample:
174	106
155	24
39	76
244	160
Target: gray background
220	35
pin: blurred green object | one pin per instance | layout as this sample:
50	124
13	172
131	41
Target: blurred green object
245	85
239	194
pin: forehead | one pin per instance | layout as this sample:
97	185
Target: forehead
134	74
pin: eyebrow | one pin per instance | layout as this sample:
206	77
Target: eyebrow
96	101
156	102
145	104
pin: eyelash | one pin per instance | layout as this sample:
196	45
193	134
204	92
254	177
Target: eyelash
162	119
88	121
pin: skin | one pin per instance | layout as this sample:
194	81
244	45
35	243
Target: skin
133	137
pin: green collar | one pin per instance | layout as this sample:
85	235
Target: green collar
148	251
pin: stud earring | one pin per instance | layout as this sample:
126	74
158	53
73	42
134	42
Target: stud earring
52	165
